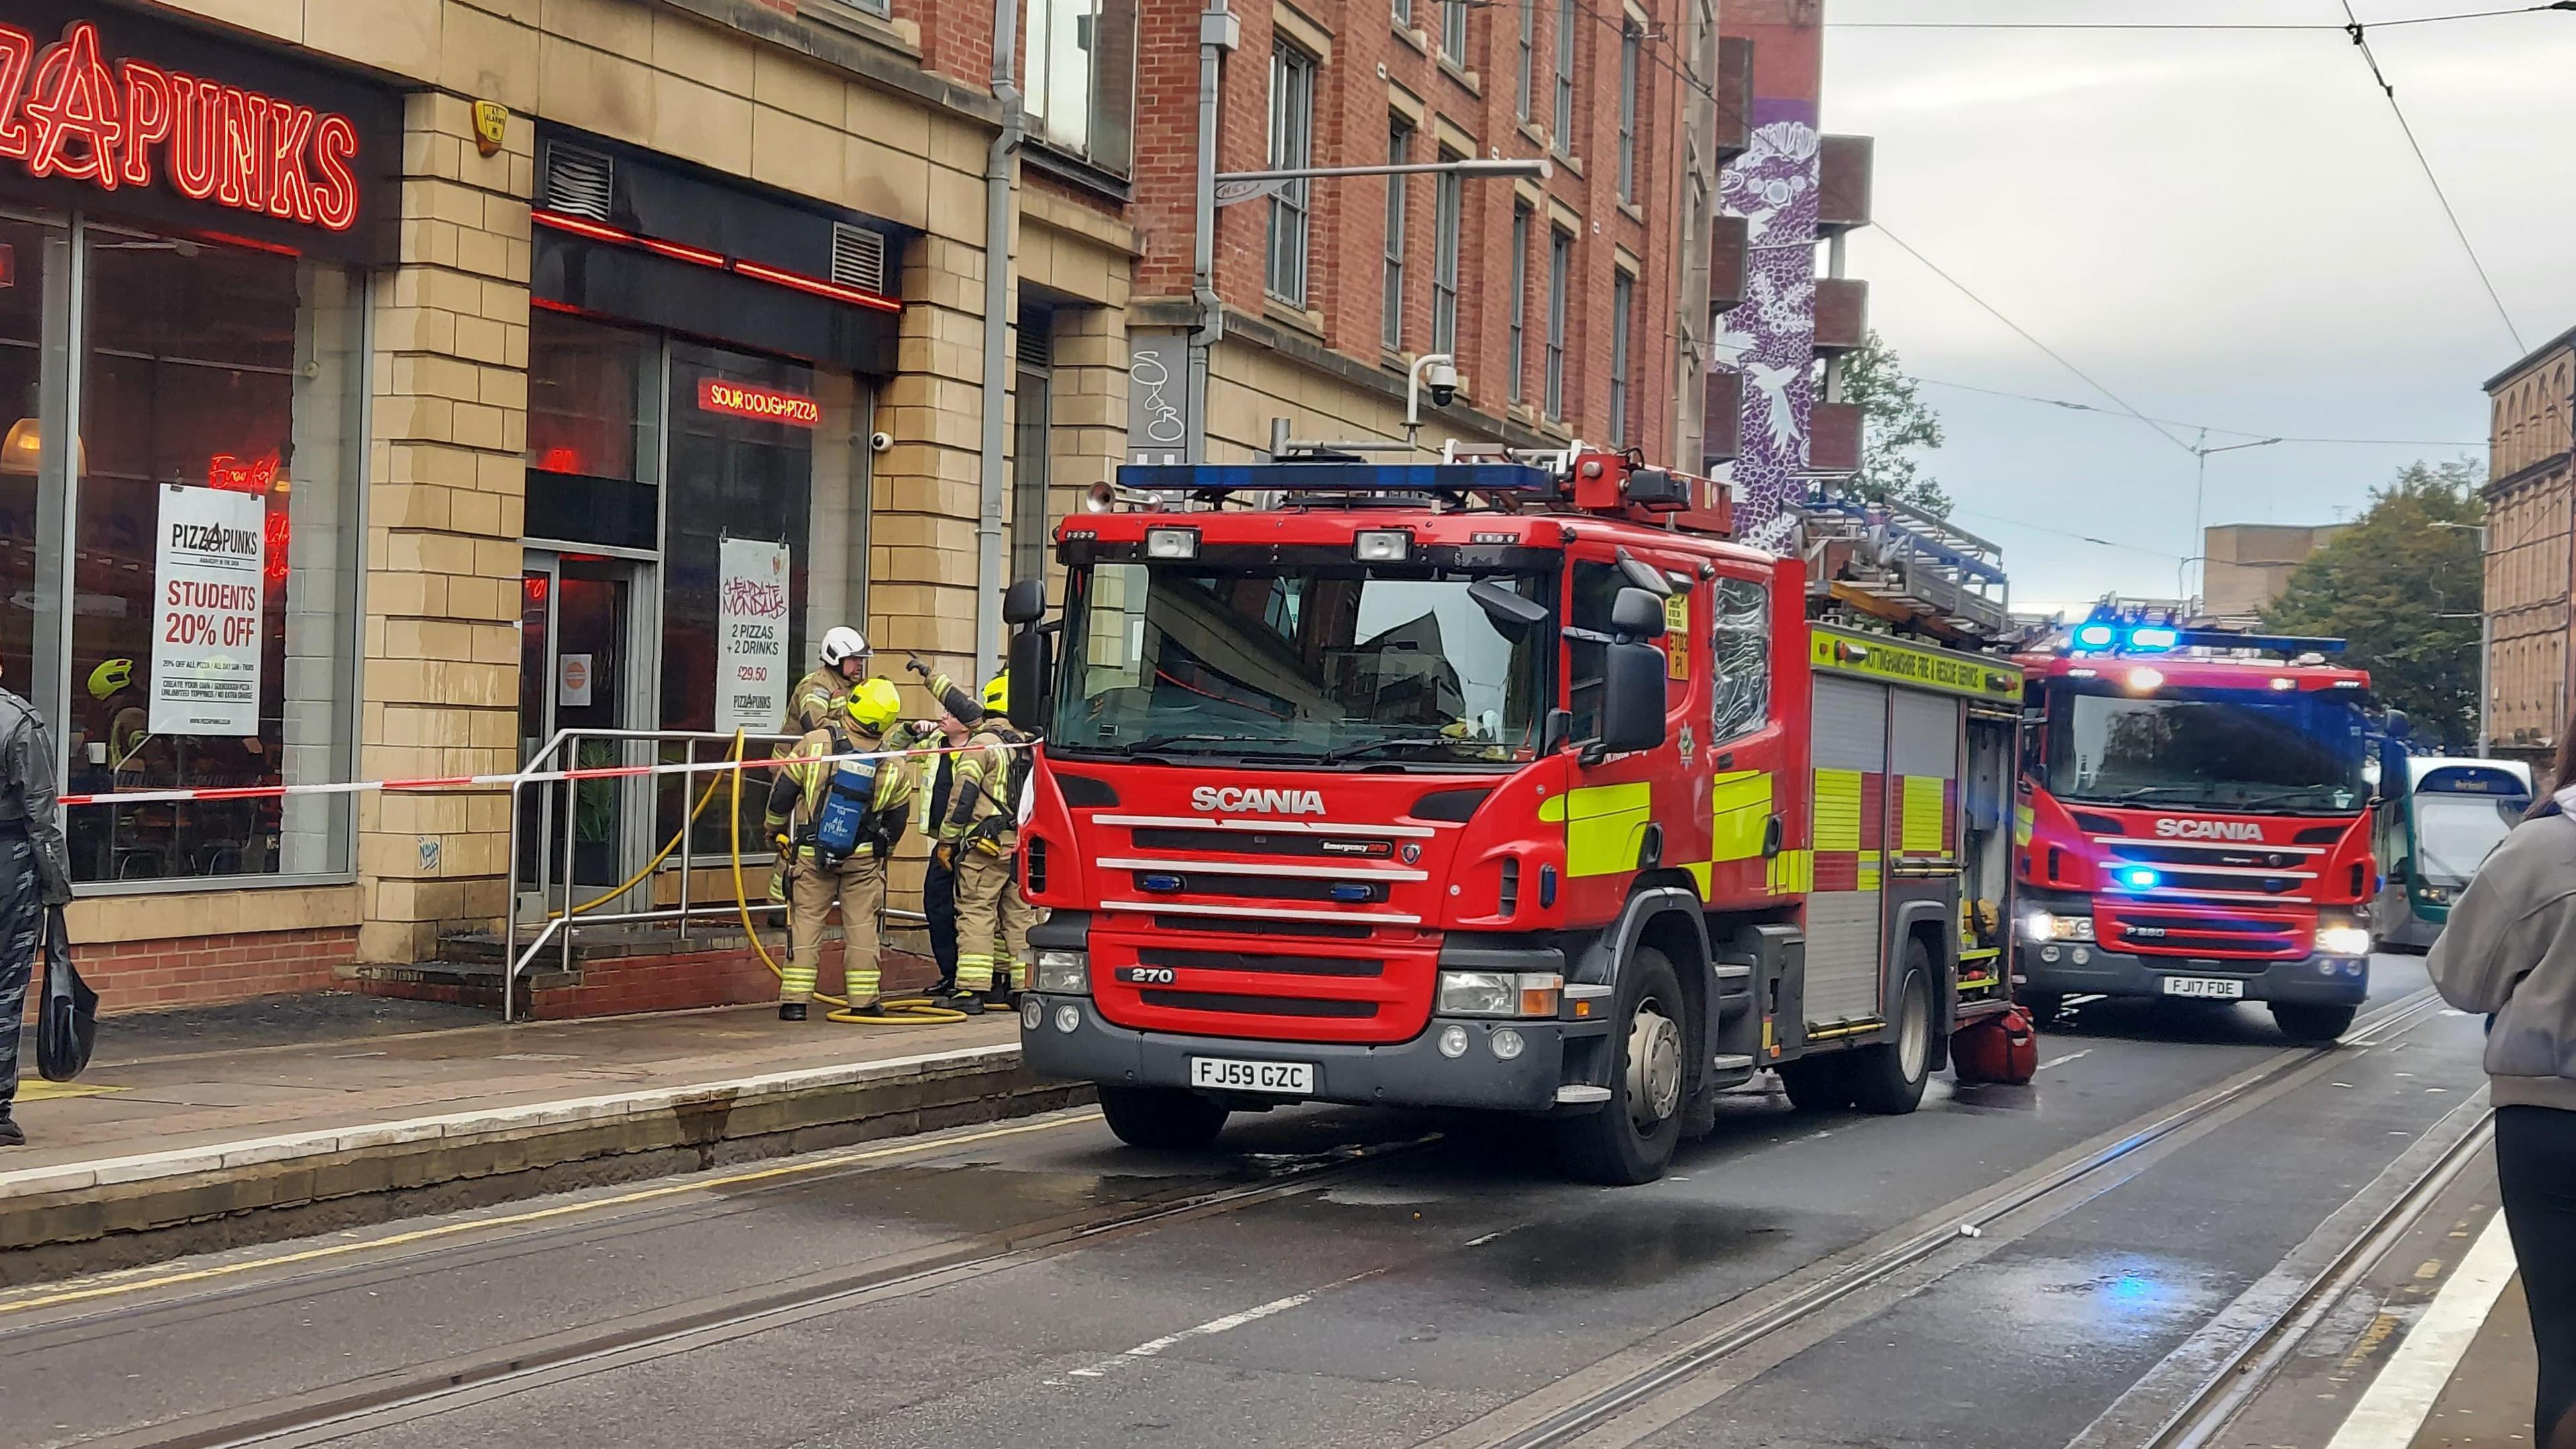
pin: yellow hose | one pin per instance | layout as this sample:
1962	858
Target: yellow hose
902	1011
655	863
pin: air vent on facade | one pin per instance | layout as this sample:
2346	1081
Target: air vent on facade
1037	341
578	182
859	257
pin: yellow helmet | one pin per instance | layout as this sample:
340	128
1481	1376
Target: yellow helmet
997	694
110	677
874	706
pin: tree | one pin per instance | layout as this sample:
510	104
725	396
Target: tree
2405	595
1894	422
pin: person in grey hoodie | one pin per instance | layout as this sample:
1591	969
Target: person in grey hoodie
2509	952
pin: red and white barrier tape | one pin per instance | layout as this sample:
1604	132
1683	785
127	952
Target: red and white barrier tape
488	782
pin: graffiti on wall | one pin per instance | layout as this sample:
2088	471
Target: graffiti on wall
1770	339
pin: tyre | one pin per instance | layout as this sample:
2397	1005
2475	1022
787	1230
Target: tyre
2307	1022
1165	1118
1818	1084
1888	1078
1630	1139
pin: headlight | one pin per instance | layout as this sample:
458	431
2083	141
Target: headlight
2041	926
2343	940
1064	973
1499	993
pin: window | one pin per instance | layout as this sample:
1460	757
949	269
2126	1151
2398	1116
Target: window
1292	148
1629	42
1594	587
1399	152
1560	261
1623	298
1527	58
1082	78
1449	196
1520	301
1453	32
1404	14
1743	642
218	387
594	420
1564	123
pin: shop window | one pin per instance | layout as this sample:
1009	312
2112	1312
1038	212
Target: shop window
215	538
31	254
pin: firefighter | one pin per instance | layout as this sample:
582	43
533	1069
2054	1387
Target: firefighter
938	876
835	823
815	702
978	840
35	872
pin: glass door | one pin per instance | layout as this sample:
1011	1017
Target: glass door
576	672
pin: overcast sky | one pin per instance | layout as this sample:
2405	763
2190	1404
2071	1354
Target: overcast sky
2223	228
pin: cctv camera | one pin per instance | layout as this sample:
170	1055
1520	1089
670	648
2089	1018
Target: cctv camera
879	442
1442	379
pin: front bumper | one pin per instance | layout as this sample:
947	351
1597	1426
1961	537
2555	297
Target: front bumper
1402	1074
2316	980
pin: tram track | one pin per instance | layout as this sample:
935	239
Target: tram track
437	1387
1551	1418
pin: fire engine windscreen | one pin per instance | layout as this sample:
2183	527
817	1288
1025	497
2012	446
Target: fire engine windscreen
2454	834
2208	748
1341	661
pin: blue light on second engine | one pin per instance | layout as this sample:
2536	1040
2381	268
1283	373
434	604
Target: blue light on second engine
2139	878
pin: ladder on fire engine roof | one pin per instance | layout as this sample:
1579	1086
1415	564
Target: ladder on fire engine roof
1902	566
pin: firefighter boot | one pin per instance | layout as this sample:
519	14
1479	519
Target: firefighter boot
11	1134
791	1011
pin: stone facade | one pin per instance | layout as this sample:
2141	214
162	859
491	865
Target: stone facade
2529	568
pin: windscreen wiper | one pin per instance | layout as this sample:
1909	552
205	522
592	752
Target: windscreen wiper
1388	742
1157	742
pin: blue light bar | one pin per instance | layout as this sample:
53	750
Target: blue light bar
2154	638
2096	636
1337	477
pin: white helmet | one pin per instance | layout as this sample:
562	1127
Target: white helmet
842	643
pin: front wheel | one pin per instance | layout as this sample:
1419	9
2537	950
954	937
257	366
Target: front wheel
1630	1139
1888	1078
2310	1023
1164	1118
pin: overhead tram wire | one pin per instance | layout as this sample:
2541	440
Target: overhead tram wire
2059	402
2361	40
1656	54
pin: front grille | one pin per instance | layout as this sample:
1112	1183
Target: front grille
1260	887
2236	855
1252	926
2173	934
1253	842
1256	1005
1280	965
2191	880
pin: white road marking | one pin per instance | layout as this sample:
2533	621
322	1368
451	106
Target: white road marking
2393	1409
1154	1346
1480	1242
2069	1057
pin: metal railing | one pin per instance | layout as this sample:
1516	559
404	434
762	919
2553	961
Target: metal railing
566	917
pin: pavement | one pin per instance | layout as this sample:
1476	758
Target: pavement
1035	1283
178	1123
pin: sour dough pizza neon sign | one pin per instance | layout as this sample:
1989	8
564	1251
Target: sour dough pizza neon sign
765	404
65	112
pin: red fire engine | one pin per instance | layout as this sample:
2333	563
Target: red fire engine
1504	783
2193	821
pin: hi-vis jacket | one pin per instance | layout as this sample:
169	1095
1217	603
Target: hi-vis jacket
815	702
796	796
982	811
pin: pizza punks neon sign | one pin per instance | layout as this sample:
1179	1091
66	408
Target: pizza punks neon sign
67	112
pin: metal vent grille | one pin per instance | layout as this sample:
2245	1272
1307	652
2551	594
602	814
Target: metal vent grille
858	257
1037	342
578	182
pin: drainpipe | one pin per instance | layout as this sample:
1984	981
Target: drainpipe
999	161
1220	31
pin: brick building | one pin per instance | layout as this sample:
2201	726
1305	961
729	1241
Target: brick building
572	364
2248	565
2529	567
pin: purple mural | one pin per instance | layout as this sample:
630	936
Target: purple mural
1770	340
